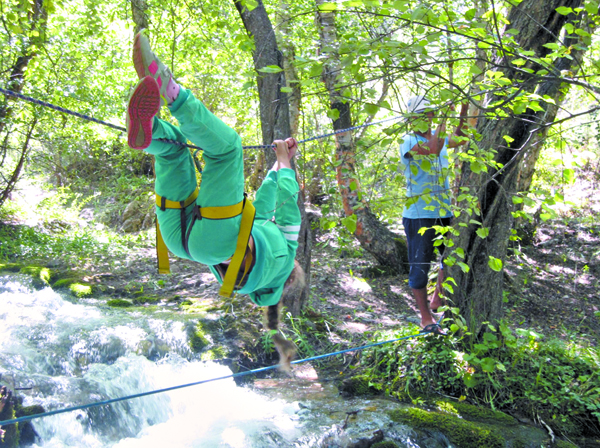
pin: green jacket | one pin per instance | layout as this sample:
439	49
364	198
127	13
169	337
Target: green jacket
275	234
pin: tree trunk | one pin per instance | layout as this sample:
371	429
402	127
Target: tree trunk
11	183
388	248
36	22
139	15
275	122
478	292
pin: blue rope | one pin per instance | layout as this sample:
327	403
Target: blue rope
168	389
175	142
331	134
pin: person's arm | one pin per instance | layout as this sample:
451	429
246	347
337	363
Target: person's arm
457	137
432	145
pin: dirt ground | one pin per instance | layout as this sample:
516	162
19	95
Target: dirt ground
551	287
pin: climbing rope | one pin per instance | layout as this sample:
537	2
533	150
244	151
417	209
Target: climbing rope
175	142
83	116
196	383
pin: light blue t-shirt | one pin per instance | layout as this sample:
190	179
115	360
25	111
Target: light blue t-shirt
427	186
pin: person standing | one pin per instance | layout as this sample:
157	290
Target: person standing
424	155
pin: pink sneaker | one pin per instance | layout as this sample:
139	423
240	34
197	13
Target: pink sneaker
147	64
144	104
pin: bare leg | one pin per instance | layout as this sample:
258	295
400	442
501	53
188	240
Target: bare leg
420	296
436	299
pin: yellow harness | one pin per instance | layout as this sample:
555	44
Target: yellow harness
244	208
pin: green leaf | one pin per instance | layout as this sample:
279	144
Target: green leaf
495	264
270	69
476	166
483	232
563	10
569	175
328	7
287	89
591	6
470	380
474	70
334	114
353	186
465	268
350	223
371	109
488	365
426	165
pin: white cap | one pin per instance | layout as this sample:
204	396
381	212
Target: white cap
418	104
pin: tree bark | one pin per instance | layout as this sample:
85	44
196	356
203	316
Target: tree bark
478	292
389	249
275	122
11	183
36	22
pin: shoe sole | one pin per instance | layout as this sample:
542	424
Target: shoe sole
143	106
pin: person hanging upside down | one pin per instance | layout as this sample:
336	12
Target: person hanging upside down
204	228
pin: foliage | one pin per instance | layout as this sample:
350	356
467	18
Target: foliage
459	432
522	373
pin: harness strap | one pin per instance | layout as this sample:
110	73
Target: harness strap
240	250
244	207
162	253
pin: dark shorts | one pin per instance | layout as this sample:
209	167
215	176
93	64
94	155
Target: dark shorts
420	248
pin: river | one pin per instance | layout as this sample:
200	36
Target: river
65	353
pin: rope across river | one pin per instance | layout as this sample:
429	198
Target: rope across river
233	375
196	383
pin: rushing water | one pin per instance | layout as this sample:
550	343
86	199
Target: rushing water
76	353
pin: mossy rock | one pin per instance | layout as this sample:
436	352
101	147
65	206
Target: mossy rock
459	432
81	290
564	444
11	432
215	353
11	267
39	273
384	444
27	435
475	413
357	385
65	282
119	303
197	338
77	287
142	300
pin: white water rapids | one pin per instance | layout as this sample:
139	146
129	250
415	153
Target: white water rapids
72	353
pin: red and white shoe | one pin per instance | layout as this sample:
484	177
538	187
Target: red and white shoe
143	105
146	63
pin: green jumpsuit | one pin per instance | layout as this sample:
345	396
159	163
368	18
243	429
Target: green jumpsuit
277	222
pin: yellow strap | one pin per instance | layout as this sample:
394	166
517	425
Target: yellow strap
240	250
162	252
225	212
176	204
228	211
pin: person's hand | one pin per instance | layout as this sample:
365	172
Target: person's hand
292	146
